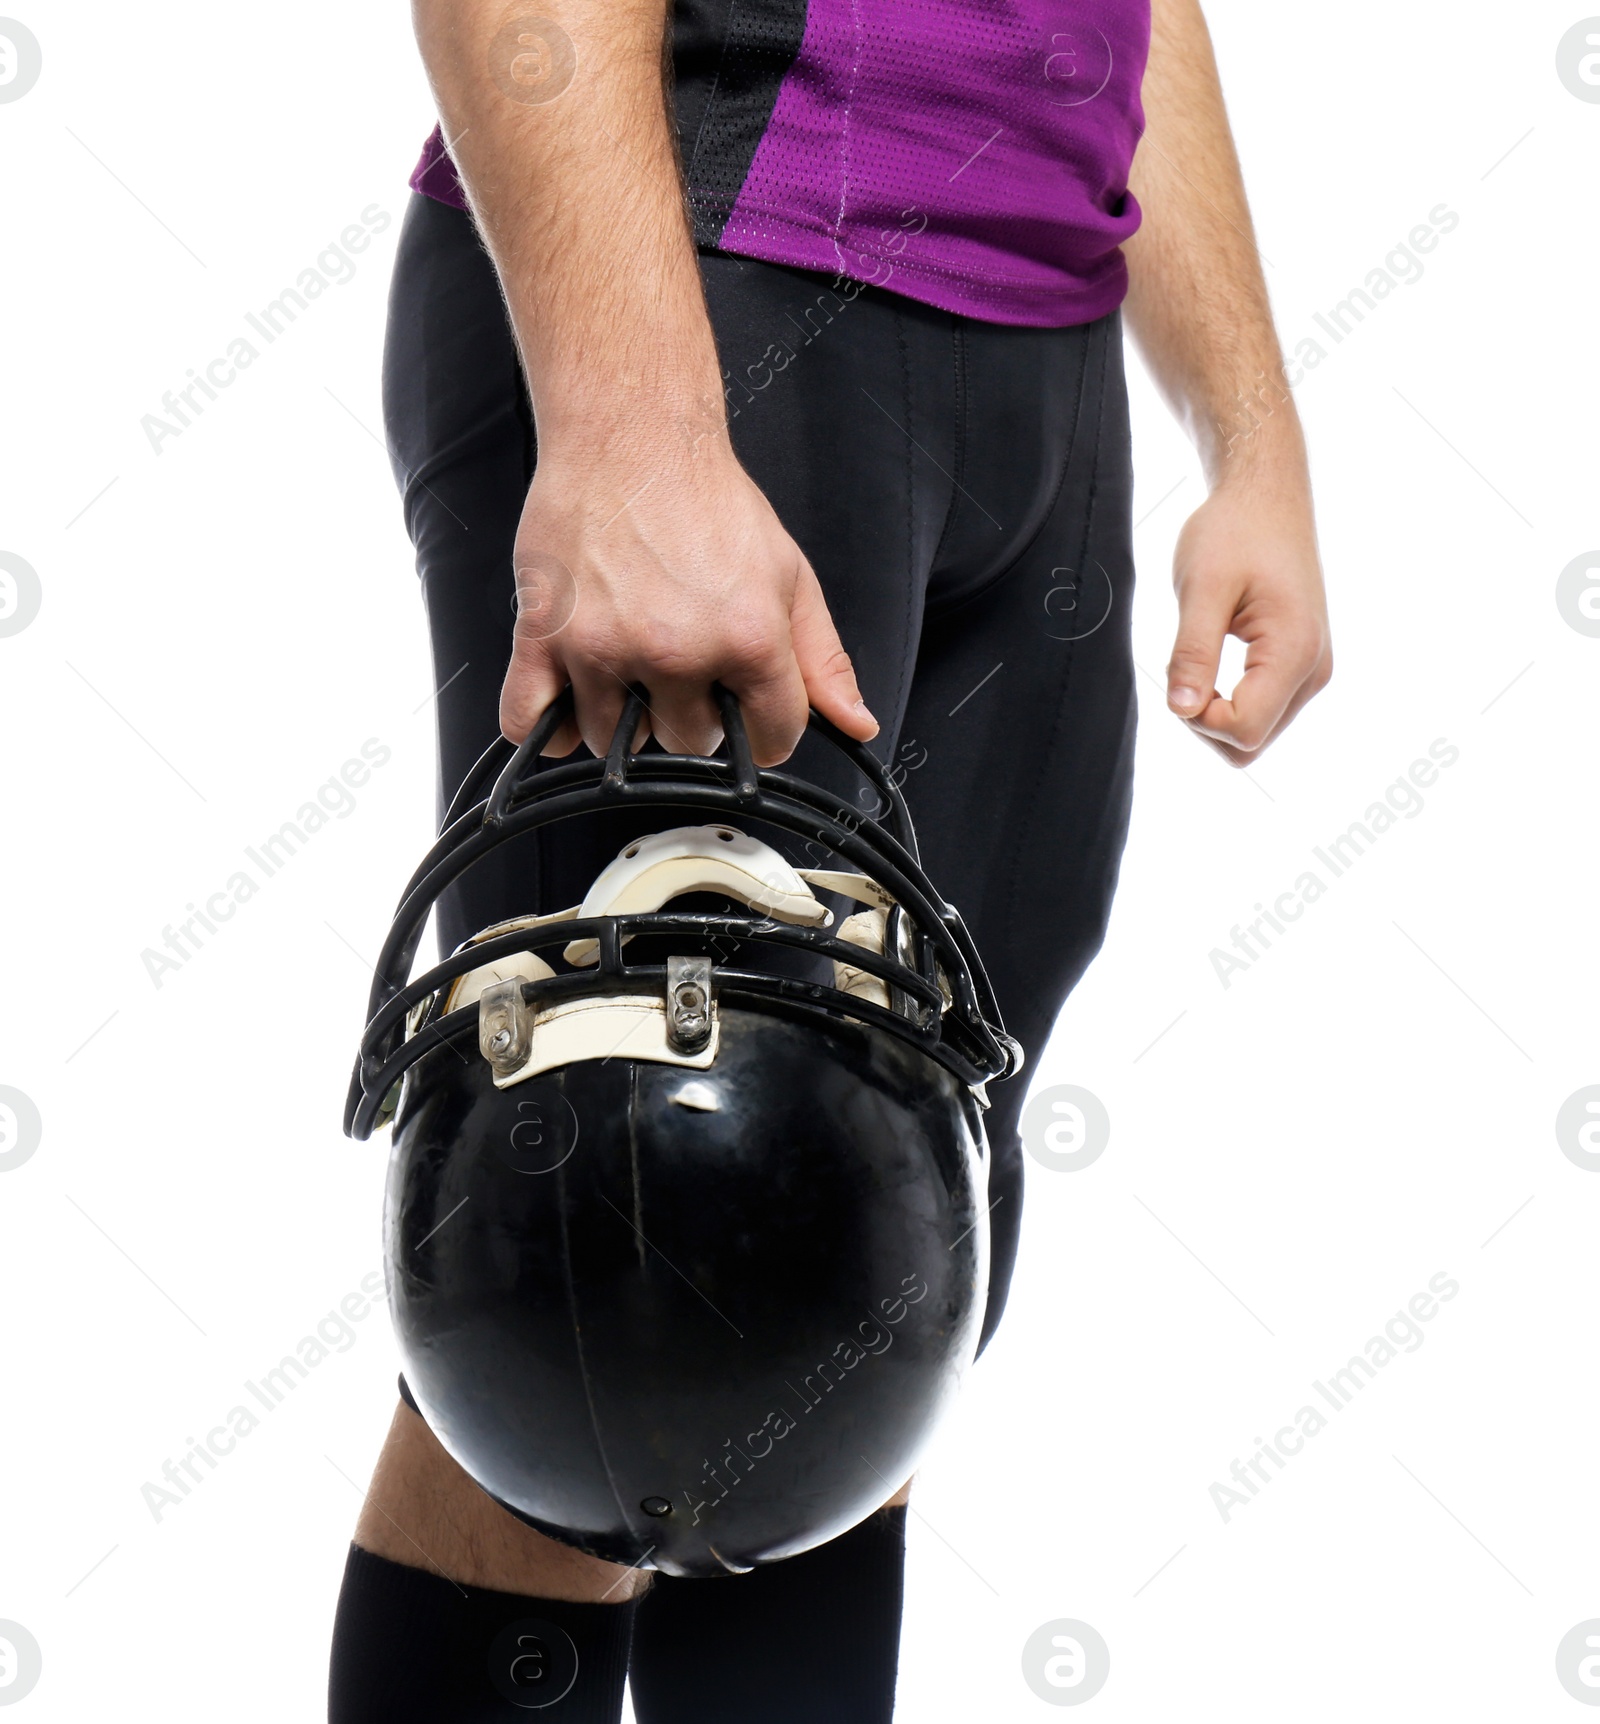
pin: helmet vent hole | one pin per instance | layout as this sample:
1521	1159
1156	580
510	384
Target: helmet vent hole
631	851
656	1506
725	835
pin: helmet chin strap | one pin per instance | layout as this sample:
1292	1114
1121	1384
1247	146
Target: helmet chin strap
520	1041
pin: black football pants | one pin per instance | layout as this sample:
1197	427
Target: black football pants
963	491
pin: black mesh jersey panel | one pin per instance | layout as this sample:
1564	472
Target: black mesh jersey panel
730	57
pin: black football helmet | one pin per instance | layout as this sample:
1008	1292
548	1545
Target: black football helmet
686	1224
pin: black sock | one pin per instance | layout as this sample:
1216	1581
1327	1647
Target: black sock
410	1647
814	1640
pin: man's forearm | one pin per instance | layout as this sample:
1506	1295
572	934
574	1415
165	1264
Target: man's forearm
644	553
577	193
1197	302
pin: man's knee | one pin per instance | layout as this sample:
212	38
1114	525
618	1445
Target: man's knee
423	1510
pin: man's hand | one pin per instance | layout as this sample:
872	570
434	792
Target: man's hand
670	568
1246	565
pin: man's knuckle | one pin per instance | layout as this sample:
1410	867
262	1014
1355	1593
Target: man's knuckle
752	652
836	662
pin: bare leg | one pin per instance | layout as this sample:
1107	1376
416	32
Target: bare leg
425	1512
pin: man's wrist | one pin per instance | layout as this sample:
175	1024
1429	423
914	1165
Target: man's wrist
635	424
1256	439
611	388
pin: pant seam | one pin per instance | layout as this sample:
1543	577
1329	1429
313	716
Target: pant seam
1022	551
1020	848
958	459
911	631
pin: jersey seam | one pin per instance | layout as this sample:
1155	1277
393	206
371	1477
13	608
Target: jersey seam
844	129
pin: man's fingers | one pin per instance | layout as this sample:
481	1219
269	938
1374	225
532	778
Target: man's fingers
598	695
533	679
825	667
1279	671
1308	690
1205	614
772	701
683	716
1248	716
776	672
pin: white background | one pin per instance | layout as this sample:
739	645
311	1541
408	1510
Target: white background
1371	1103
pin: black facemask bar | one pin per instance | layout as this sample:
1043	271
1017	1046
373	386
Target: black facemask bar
965	1035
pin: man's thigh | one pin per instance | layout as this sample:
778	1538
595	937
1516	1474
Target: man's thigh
1017	745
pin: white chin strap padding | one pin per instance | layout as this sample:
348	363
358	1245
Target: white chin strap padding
653	871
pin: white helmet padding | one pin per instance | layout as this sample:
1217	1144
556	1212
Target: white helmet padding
652	871
528	965
649	873
868	929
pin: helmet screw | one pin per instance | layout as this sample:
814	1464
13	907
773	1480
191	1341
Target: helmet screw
688	1003
505	1026
656	1506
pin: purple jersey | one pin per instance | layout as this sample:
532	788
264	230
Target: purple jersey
970	153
